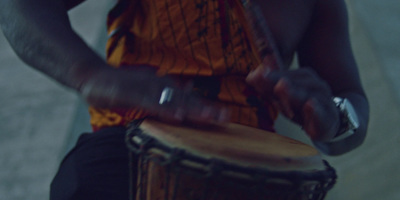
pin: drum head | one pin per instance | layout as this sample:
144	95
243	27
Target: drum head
239	145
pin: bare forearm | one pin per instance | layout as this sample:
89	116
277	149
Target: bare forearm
40	33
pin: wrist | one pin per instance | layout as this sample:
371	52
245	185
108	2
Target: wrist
345	141
349	122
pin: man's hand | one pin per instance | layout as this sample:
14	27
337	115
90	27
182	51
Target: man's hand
302	96
162	97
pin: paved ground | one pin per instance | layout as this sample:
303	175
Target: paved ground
39	119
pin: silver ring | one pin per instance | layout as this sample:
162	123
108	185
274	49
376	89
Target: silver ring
166	95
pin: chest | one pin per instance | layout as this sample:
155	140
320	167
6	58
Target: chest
185	22
288	21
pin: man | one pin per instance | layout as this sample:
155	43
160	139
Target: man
192	61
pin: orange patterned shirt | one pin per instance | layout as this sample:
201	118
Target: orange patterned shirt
196	39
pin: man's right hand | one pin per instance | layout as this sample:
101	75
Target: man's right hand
140	87
53	48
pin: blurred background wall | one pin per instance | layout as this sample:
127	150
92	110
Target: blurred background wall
40	120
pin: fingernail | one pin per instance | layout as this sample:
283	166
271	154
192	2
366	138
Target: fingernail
256	75
251	75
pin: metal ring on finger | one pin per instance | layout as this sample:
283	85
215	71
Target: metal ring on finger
166	96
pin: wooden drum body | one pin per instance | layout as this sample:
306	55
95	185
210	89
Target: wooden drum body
235	163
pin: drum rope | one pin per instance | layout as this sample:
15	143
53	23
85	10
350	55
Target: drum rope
167	178
171	163
143	182
176	184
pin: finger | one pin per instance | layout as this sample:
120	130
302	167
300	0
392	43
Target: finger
264	84
170	117
262	70
319	122
208	114
185	107
309	123
270	63
256	77
282	93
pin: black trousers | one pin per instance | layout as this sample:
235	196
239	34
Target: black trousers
96	168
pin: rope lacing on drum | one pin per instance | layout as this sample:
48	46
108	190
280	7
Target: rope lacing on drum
170	163
215	169
143	141
141	146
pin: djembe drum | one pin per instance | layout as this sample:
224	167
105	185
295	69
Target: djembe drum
235	163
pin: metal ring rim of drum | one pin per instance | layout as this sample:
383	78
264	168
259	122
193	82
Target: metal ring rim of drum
140	142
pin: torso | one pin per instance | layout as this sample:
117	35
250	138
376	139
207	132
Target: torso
224	85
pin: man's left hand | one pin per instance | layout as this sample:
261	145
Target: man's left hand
302	96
